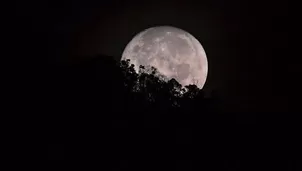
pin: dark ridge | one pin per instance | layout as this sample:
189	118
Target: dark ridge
92	109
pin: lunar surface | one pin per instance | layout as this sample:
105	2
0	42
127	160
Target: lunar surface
174	52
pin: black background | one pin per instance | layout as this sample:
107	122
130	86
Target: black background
245	41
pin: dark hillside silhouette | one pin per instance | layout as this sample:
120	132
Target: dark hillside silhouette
140	121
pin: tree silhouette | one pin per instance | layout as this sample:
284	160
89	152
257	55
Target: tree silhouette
152	87
81	101
147	93
102	93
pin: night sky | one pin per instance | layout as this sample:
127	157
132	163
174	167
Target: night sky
245	41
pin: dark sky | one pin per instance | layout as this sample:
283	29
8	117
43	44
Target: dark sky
245	41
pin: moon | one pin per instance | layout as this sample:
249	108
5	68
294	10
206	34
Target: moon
174	52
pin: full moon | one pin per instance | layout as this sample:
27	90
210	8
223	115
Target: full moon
174	52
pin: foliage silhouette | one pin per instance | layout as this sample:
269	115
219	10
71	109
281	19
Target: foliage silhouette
105	108
102	93
154	87
151	88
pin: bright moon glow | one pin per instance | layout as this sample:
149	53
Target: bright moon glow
174	52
